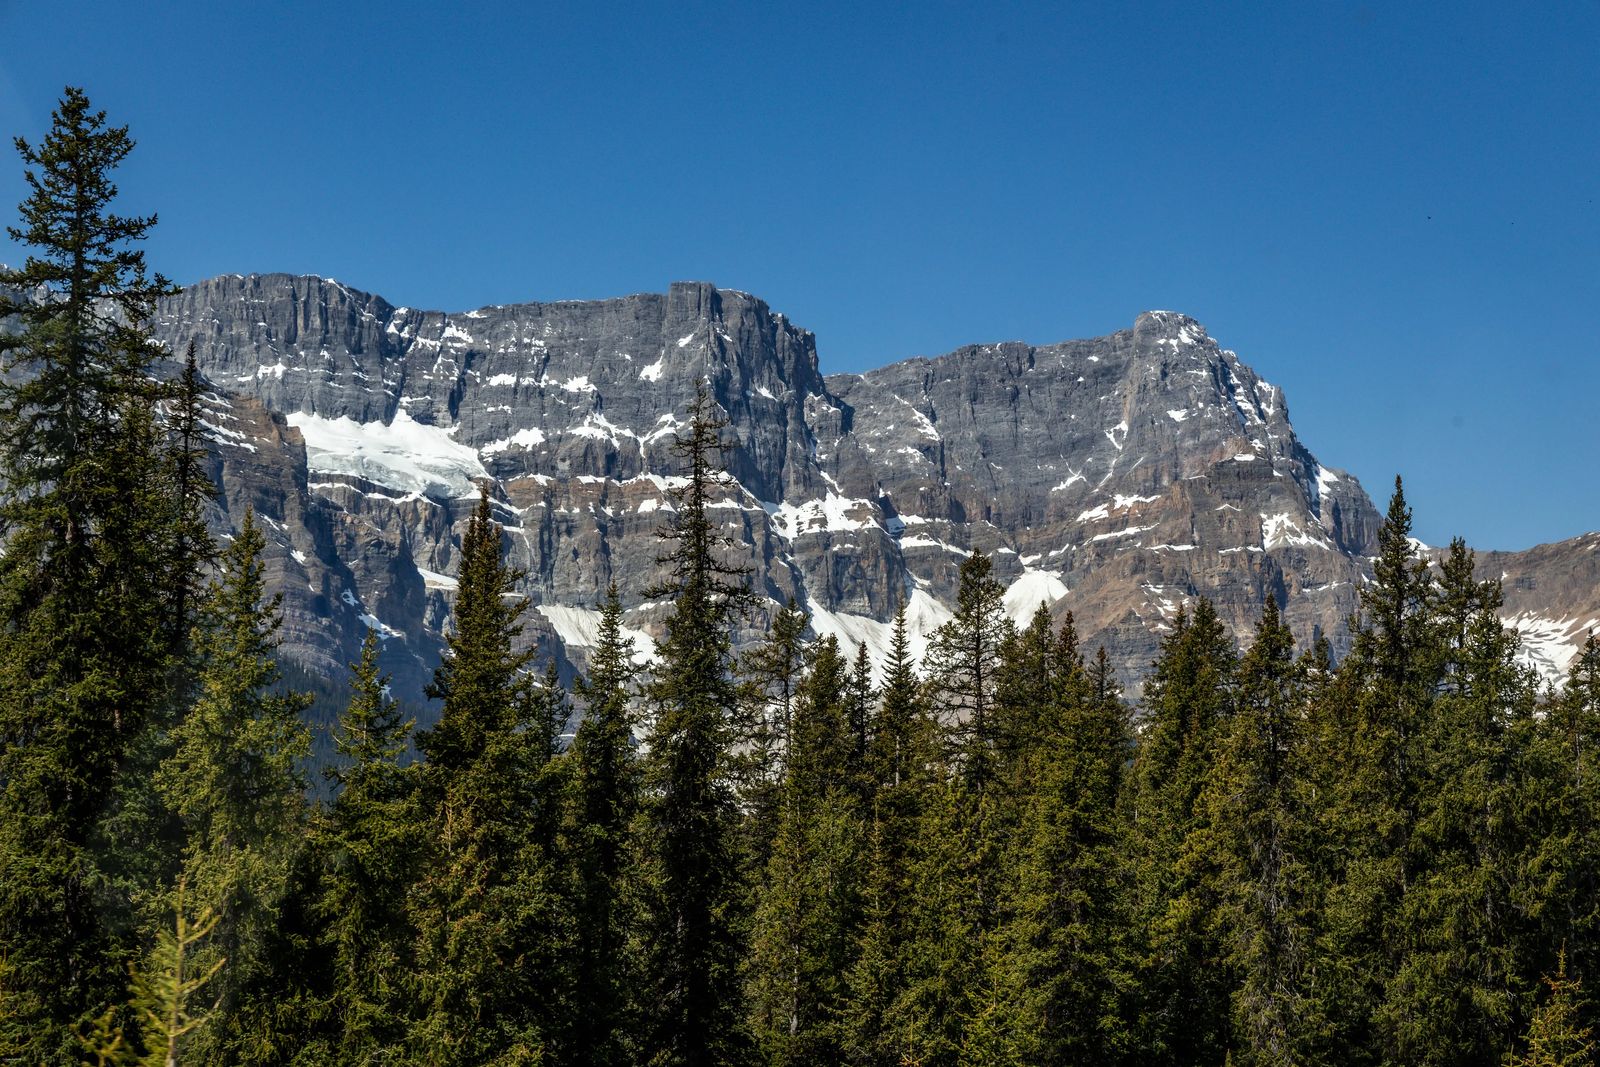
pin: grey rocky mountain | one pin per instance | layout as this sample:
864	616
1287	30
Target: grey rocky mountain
1115	477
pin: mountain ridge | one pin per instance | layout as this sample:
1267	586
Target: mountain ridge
1115	477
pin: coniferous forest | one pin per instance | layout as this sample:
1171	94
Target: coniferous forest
787	856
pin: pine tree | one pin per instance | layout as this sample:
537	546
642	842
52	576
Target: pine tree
603	798
166	991
1186	704
164	994
1568	739
951	923
234	781
961	662
491	931
550	713
1455	995
82	590
138	839
806	921
1023	696
192	549
859	697
954	866
902	748
1368	771
368	844
902	761
1249	856
689	821
1065	968
772	672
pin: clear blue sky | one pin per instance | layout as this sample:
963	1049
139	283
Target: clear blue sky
1386	208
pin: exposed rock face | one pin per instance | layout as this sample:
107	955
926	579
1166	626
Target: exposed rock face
1552	595
1114	477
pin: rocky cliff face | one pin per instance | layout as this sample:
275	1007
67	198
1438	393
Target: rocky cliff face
1115	477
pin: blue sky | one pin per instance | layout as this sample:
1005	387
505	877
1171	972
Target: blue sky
1387	209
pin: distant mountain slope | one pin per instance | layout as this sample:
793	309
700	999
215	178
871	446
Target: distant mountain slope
1115	477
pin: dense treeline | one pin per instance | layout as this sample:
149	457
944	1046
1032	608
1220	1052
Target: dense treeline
791	856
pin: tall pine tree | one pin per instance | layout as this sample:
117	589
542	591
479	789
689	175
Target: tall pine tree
689	823
902	762
962	662
1065	969
83	576
1368	771
234	780
490	929
805	927
1187	701
368	844
772	672
1248	857
603	798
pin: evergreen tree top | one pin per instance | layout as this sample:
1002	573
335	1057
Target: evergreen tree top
85	298
370	733
483	679
65	217
696	561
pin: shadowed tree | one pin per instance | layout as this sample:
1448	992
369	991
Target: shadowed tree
689	822
487	894
603	797
84	578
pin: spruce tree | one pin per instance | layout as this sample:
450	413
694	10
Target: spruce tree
82	578
1065	967
603	798
951	922
491	933
1186	704
771	674
859	697
689	823
961	664
1459	982
1369	774
957	855
168	997
902	762
1249	860
1557	1035
1569	744
234	781
170	991
192	549
368	844
1023	696
805	927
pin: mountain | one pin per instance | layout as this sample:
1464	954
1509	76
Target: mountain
1115	477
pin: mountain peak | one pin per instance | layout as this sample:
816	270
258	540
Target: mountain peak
1172	326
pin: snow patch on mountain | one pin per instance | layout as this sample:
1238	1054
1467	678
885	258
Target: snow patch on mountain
1280	530
1550	645
524	439
1326	480
404	454
580	628
435	580
833	513
1023	596
924	615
